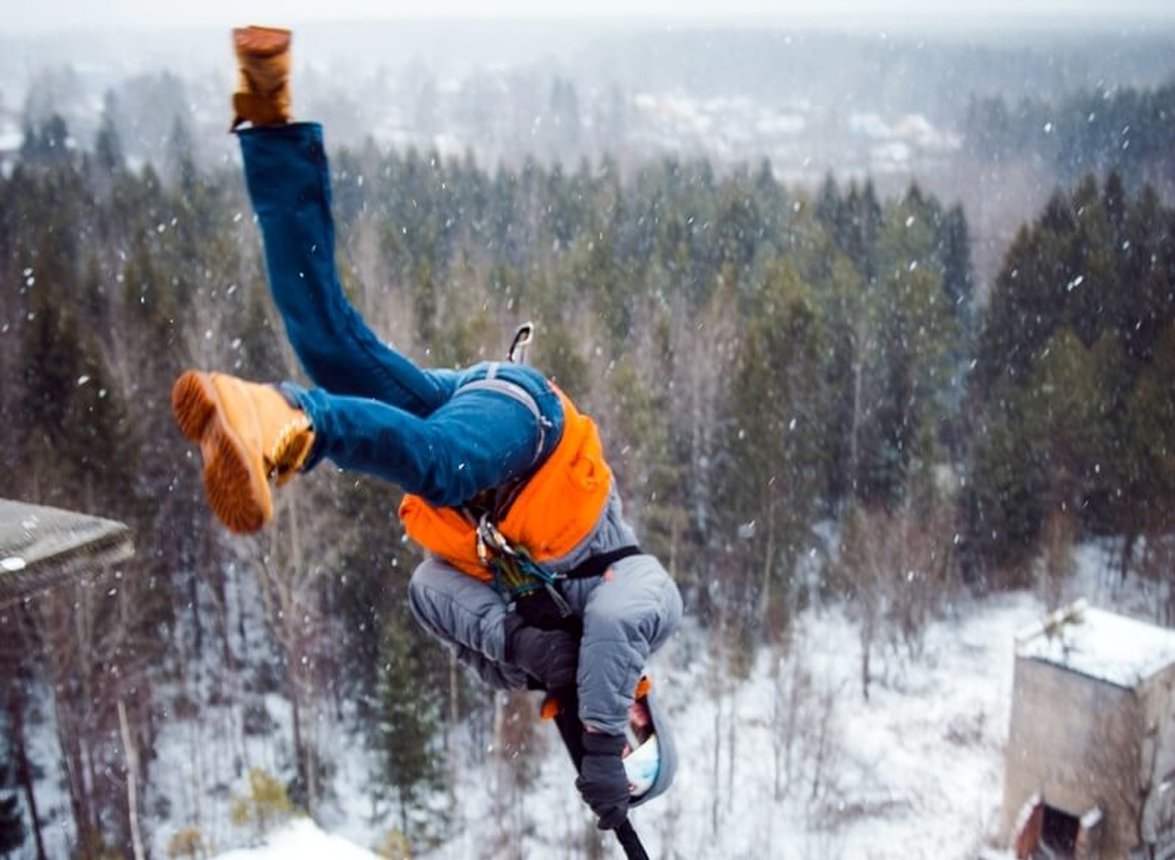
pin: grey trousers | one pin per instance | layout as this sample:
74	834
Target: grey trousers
627	614
467	615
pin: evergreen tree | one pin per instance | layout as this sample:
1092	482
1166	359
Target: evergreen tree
48	145
645	463
407	719
180	155
1149	422
1064	368
955	256
108	150
12	829
909	374
1004	500
1068	425
1145	260
1027	303
849	314
75	441
772	489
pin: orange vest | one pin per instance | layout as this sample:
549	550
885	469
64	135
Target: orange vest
552	513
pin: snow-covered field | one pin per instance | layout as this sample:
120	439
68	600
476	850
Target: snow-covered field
915	771
301	840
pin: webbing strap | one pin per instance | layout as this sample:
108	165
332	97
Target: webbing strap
597	564
498	384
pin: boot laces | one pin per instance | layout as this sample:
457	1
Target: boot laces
289	450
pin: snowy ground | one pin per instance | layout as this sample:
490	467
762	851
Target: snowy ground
914	772
301	840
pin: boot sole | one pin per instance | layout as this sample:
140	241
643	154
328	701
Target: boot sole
237	493
262	42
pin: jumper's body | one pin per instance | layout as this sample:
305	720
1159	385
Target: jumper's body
446	437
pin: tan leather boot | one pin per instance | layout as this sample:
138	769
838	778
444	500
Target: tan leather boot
248	434
263	88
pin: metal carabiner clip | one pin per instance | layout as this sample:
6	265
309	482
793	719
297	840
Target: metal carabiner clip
522	339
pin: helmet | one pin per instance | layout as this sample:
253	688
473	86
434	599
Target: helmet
652	760
641	766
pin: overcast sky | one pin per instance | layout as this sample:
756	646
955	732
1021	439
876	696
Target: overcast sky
39	15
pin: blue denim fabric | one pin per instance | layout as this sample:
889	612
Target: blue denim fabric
374	410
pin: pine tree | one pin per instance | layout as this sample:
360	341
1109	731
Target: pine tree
643	458
915	335
1004	500
773	488
1149	422
47	146
108	149
407	720
955	256
1068	424
1064	368
76	436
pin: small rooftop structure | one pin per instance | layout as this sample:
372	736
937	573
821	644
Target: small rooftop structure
1101	645
1091	744
42	546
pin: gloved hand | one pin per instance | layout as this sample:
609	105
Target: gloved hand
539	609
602	780
549	657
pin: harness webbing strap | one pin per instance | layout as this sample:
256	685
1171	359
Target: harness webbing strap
597	564
513	390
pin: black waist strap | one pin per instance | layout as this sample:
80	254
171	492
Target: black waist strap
597	564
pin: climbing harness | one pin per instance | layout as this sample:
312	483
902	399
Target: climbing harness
515	572
518	575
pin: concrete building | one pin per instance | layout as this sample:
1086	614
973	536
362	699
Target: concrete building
1090	761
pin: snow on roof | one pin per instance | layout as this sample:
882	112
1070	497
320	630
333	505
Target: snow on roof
1099	644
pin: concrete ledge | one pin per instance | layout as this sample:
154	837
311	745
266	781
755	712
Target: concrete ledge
41	547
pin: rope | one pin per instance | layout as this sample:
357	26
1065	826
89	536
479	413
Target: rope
570	730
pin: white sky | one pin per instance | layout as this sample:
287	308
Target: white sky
24	16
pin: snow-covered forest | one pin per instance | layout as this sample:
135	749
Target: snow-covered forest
874	411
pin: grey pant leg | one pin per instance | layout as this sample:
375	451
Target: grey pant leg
468	616
628	615
496	675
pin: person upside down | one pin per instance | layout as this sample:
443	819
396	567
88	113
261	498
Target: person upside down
532	574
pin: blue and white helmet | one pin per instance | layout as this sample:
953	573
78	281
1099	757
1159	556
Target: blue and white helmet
651	764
